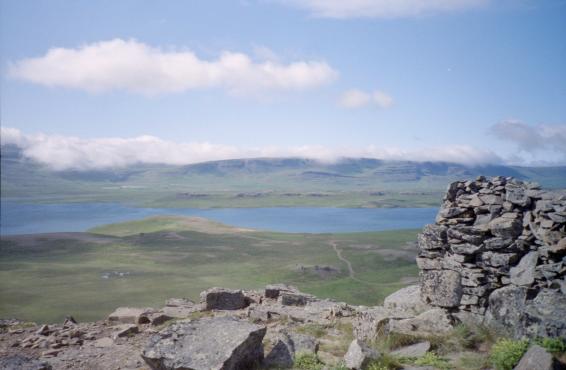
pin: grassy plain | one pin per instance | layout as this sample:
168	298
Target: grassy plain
45	277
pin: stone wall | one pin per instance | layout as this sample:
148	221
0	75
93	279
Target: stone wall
497	255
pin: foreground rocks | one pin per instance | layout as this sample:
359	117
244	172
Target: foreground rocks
220	343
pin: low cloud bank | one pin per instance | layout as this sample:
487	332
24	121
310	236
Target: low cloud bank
65	152
139	68
532	138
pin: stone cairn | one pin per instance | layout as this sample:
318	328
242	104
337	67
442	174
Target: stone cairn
497	254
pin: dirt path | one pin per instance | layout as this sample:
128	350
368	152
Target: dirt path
352	273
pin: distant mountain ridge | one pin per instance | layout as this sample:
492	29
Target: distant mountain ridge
25	178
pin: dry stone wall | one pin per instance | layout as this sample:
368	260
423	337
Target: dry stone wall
497	254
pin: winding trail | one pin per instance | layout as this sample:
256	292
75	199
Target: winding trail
351	272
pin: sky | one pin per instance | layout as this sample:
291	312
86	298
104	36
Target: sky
92	84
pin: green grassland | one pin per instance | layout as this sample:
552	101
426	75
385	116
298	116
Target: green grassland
45	277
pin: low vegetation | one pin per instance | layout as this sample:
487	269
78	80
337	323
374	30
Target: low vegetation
145	262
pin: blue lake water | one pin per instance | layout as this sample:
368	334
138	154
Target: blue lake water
18	218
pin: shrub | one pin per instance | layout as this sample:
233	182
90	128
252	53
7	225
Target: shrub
432	359
506	353
552	345
307	361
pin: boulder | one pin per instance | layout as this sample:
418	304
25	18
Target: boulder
223	299
293	299
441	288
537	358
432	322
506	308
359	355
287	346
414	350
130	315
545	315
406	302
219	343
524	272
370	323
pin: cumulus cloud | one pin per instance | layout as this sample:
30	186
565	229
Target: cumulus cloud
383	8
65	152
531	138
139	68
355	98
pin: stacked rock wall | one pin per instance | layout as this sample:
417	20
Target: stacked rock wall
497	253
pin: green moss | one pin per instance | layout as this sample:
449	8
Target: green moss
552	345
307	361
432	359
506	353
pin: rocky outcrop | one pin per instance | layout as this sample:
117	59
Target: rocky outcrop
220	343
497	253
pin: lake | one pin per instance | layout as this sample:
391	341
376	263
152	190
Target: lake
20	218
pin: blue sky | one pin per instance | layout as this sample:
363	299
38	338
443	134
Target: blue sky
465	80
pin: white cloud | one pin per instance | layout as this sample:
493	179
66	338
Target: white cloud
532	139
136	67
383	8
357	98
65	152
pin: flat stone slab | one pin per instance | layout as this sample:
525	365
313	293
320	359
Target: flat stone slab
219	343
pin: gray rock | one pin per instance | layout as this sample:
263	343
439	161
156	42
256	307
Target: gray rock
220	343
432	237
406	302
370	323
506	227
21	362
536	358
506	309
545	315
125	330
524	272
179	302
503	260
517	195
273	290
293	299
130	315
359	355
441	288
287	346
432	322
223	299
414	350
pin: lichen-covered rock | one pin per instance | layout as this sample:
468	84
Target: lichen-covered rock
441	288
359	355
370	323
223	299
219	343
406	302
287	345
432	322
506	308
524	272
